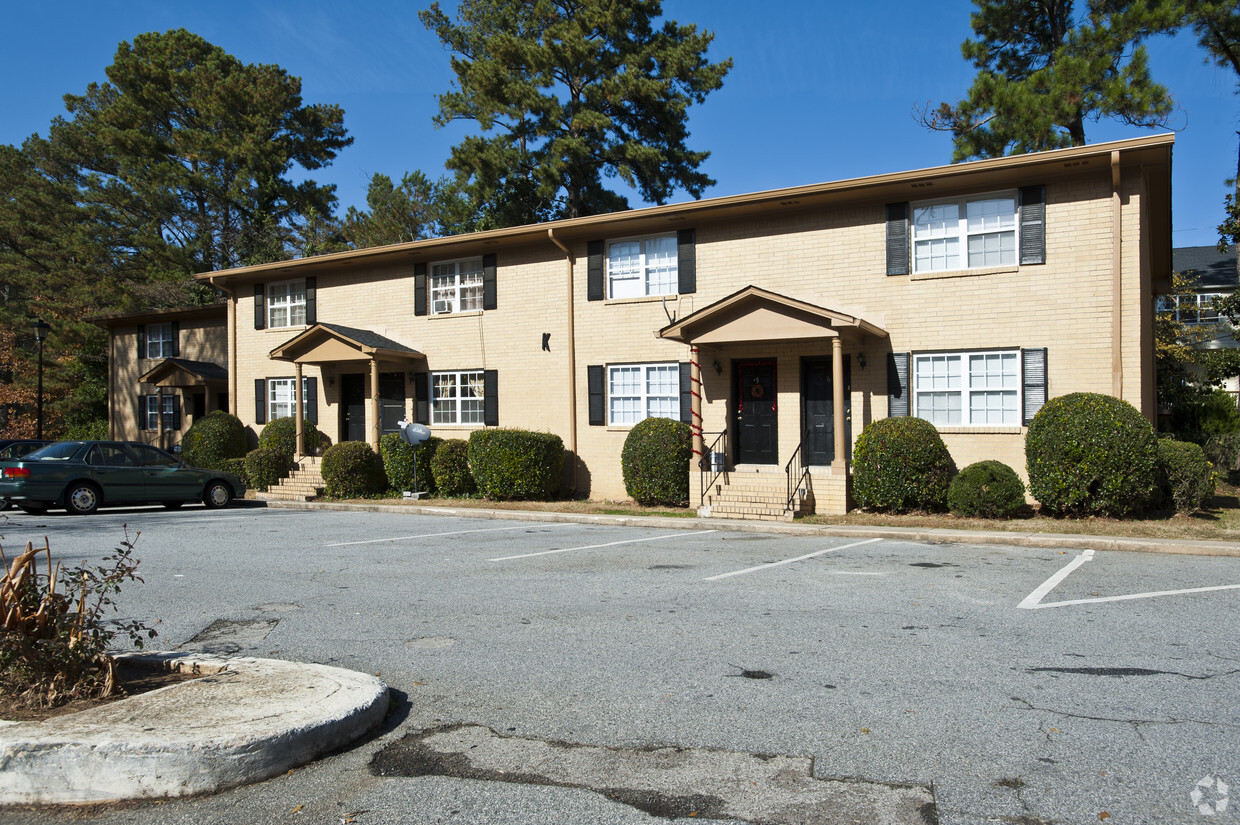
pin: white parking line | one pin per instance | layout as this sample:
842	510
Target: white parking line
1034	600
448	533
788	561
596	546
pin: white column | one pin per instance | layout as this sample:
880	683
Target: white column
299	449
837	400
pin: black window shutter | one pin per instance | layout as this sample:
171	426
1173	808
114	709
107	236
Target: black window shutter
489	297
1033	225
312	300
141	341
897	384
421	395
1033	372
260	400
686	262
176	339
310	398
176	413
897	239
596	379
594	271
141	412
260	306
490	399
419	289
686	393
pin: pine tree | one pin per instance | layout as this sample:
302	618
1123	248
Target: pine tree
568	93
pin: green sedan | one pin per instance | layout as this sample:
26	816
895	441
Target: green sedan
82	476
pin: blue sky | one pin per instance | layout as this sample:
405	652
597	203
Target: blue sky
820	91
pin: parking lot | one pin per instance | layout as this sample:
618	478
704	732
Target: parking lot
1014	685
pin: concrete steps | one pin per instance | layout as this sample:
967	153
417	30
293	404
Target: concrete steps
302	484
754	493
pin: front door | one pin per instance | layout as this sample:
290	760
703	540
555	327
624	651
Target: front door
353	407
391	401
818	409
757	436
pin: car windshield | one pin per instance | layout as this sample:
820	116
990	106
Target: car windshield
60	451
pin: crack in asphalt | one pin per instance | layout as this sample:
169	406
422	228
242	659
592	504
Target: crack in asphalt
1120	672
1171	721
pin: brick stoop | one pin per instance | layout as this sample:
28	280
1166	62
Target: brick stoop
302	484
755	492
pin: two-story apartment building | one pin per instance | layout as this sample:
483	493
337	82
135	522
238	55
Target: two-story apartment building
778	324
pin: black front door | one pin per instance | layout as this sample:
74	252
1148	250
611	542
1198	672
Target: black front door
757	439
353	407
391	401
818	409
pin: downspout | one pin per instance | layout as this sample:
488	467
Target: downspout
572	362
1117	281
232	344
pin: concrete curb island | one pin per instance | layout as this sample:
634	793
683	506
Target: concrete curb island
1058	541
244	721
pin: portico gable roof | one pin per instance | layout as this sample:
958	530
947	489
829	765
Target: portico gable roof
182	372
332	343
756	314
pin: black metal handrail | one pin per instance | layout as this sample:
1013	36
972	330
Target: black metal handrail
708	473
796	472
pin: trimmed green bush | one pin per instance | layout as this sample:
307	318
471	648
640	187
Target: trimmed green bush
281	434
986	489
901	464
655	462
516	465
398	462
212	440
264	467
1186	477
236	466
352	470
1091	455
450	467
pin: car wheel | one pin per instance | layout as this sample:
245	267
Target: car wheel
82	499
32	509
172	505
217	495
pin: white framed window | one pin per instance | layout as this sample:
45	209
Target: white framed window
1197	308
151	412
281	402
968	389
965	233
639	391
286	304
642	266
159	341
456	286
457	397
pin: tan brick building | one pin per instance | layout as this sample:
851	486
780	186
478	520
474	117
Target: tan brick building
787	320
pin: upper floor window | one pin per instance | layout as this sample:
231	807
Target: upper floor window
968	389
642	266
286	304
639	391
1195	308
160	341
965	233
456	286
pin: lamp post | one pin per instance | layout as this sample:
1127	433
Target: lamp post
41	329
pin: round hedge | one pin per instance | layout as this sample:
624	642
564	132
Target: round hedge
398	462
352	470
212	440
516	464
264	467
450	467
281	434
987	489
655	462
1186	477
1091	455
901	464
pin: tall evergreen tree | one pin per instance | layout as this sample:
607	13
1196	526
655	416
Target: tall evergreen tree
567	93
1044	70
395	213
